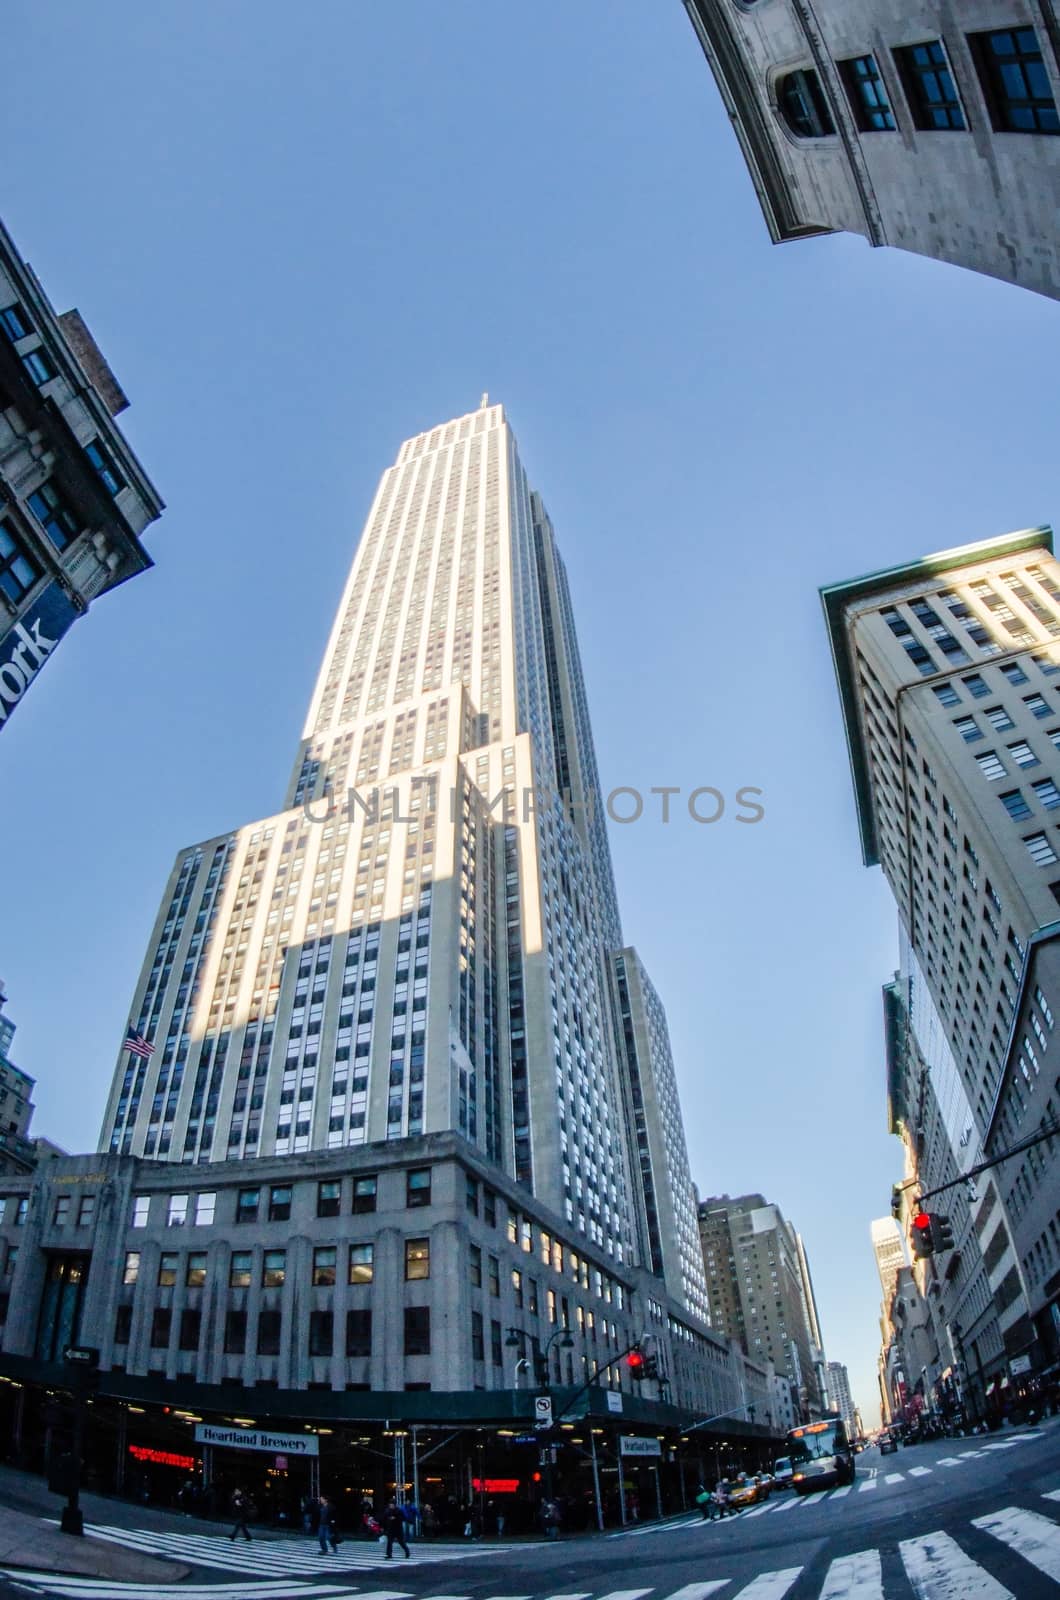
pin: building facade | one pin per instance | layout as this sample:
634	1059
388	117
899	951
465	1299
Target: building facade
757	1279
425	941
16	1103
947	672
909	122
74	500
840	1400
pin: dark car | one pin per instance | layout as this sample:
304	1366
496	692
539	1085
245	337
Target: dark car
888	1442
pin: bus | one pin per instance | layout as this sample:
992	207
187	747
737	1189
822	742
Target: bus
820	1455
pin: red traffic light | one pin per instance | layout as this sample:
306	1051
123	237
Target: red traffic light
635	1360
922	1220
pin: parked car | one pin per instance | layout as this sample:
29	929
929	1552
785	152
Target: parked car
783	1472
888	1442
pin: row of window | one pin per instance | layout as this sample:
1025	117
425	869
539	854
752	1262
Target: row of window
273	1274
272	1203
1012	75
269	1329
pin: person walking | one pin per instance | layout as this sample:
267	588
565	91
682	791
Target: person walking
242	1506
703	1501
326	1525
394	1528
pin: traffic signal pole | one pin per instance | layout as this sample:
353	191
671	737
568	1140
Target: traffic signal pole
994	1161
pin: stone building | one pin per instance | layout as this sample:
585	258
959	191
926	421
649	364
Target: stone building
911	122
74	500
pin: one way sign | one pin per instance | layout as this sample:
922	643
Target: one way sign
543	1411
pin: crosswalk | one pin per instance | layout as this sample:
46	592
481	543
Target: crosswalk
953	1564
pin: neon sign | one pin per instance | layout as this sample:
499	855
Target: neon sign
162	1458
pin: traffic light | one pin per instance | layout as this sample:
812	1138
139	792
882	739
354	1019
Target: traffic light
650	1368
636	1363
896	1201
941	1234
921	1236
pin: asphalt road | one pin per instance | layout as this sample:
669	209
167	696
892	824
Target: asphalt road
954	1520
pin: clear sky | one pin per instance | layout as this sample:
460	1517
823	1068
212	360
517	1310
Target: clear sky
301	234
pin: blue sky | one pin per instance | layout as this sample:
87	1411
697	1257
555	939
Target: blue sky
301	235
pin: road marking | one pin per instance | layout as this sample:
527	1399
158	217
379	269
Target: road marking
938	1569
1002	1444
894	1477
1054	1494
1035	1538
788	1505
949	1461
870	1483
920	1472
969	1455
857	1577
759	1511
696	1591
68	1588
624	1594
769	1585
837	1494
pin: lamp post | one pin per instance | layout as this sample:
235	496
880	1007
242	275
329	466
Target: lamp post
516	1340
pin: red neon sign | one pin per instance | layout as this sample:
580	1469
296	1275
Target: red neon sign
496	1485
162	1458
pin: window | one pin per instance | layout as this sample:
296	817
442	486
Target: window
1036	705
496	1350
478	1343
61	1214
247	1205
324	1260
167	1269
1047	792
273	1269
968	729
475	1266
1022	754
269	1327
494	1278
195	1273
999	718
190	1328
362	1263
321	1333
204	1209
140	1210
239	1270
418	1187
803	106
123	1325
54	515
358	1333
235	1333
1015	804
160	1326
929	86
417	1330
364	1194
868	95
21	1212
132	1266
14	323
104	467
1039	849
329	1198
280	1204
977	686
38	363
177	1211
1015	82
86	1210
472	1195
1014	673
990	766
417	1258
947	694
18	569
489	1207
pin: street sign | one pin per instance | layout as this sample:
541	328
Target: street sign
614	1400
1019	1365
543	1411
633	1445
81	1355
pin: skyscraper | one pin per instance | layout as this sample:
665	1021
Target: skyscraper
947	670
422	939
839	1396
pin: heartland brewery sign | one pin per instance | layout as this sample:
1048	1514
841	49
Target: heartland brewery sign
284	1444
26	647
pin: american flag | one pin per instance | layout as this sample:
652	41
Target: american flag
136	1044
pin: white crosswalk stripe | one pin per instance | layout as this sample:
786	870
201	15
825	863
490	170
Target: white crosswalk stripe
1034	1537
920	1472
870	1483
938	1569
697	1591
949	1461
858	1577
894	1477
106	1589
1054	1494
841	1493
769	1585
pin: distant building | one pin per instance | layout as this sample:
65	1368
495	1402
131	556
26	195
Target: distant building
890	1253
759	1293
16	1103
840	1399
74	500
914	123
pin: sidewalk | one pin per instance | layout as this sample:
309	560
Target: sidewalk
26	1541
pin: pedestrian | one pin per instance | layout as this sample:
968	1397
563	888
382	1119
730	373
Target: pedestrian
410	1512
500	1522
242	1508
551	1517
703	1500
326	1525
309	1507
394	1528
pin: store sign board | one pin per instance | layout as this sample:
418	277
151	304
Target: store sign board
631	1445
288	1444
